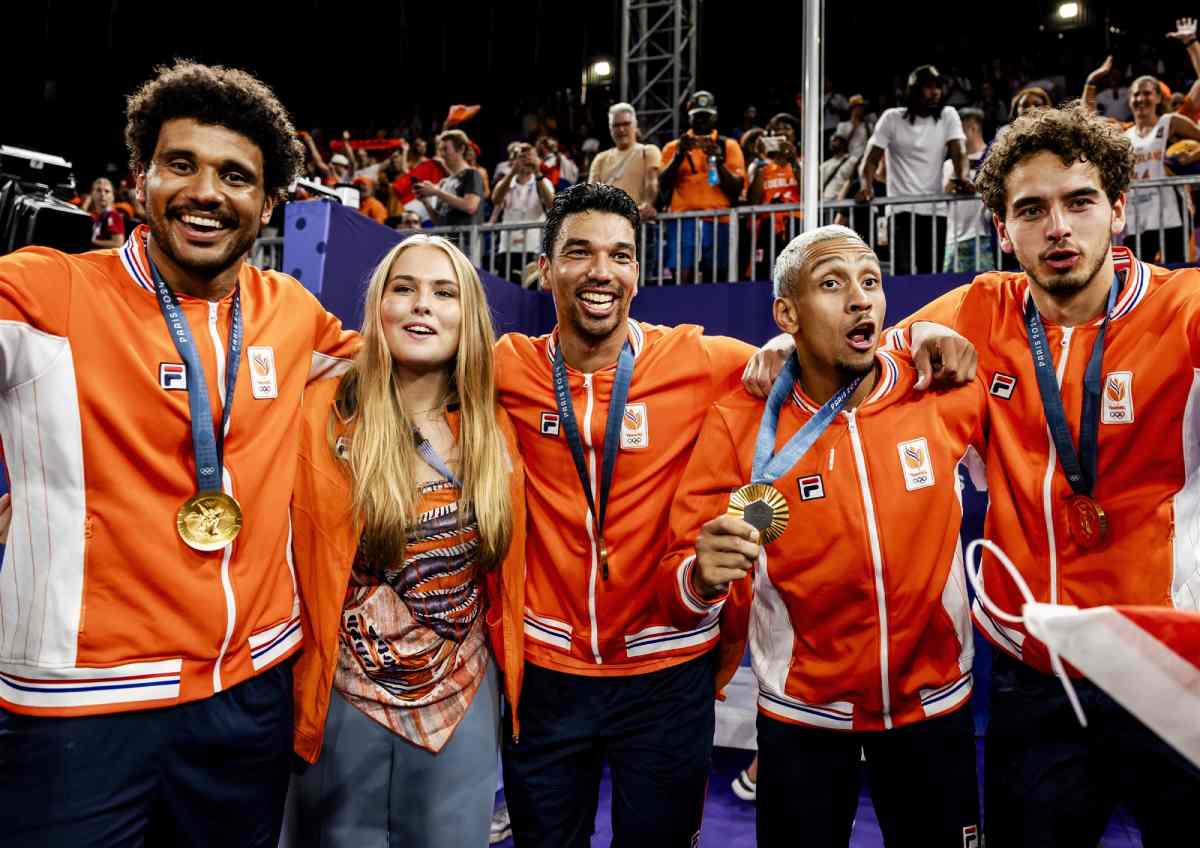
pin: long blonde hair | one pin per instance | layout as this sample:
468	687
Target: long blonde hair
382	458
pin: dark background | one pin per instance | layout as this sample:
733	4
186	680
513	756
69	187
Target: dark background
376	67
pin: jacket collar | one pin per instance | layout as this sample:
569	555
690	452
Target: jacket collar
889	376
135	259
636	339
1135	280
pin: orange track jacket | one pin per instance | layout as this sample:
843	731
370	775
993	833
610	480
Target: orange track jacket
575	620
859	617
1148	470
103	608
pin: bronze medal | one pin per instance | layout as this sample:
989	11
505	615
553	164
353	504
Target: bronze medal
1087	522
209	521
763	507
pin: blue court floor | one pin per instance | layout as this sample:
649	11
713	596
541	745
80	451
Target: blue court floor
729	821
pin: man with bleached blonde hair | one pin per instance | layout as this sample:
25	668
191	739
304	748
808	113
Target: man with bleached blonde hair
860	633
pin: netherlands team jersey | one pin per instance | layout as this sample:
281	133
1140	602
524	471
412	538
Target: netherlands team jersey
1148	468
857	616
103	608
576	620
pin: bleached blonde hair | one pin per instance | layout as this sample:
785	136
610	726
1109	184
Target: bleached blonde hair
382	458
791	258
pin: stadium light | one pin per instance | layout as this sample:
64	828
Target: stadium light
598	73
1067	11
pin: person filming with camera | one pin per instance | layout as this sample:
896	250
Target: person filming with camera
704	171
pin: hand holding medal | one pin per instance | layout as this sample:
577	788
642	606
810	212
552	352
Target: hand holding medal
726	550
763	507
758	503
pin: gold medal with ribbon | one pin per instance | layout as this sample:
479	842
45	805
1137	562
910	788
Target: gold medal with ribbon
763	507
758	503
209	521
1087	521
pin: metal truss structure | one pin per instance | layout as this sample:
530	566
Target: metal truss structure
659	41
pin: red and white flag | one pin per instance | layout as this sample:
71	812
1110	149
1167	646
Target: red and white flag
1146	658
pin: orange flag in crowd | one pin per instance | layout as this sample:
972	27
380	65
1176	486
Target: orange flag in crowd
460	114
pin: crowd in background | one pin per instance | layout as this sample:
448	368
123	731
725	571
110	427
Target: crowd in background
922	134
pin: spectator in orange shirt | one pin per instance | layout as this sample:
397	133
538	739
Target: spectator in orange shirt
368	203
704	171
774	178
129	207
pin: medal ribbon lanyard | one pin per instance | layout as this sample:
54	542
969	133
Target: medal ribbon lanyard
769	467
1079	468
434	459
209	448
612	435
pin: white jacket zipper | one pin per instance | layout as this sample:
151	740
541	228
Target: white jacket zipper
590	519
227	485
1048	481
877	560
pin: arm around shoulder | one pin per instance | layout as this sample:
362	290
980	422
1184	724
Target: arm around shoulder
333	345
943	310
727	359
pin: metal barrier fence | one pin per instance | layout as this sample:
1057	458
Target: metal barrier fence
911	235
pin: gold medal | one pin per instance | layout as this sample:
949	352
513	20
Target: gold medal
1087	521
763	507
209	521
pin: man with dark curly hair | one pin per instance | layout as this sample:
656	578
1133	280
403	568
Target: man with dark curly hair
1091	357
149	410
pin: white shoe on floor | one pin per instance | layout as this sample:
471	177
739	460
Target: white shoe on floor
501	825
744	787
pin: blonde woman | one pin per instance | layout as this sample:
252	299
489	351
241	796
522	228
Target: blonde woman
408	523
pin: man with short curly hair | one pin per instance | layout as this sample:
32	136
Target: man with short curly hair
149	402
1091	358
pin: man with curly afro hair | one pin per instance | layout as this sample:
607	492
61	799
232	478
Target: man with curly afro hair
149	411
1089	520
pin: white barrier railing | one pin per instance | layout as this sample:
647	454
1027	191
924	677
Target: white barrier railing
912	235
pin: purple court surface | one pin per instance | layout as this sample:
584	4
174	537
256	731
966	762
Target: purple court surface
729	822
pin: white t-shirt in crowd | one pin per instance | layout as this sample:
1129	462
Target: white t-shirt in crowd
522	204
915	152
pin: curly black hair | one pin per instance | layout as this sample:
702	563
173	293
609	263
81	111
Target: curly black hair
1072	133
587	197
217	96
